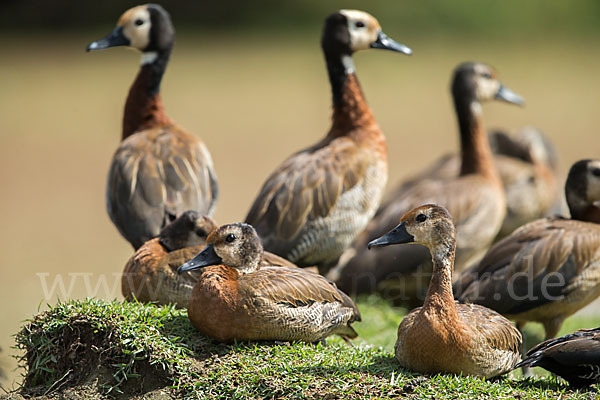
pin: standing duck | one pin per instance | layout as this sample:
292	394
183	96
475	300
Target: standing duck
444	336
548	269
159	170
575	357
311	208
475	198
236	298
150	275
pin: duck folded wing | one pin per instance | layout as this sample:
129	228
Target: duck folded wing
541	261
295	287
497	332
306	187
153	181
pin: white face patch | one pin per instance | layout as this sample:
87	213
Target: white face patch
136	26
362	27
486	88
593	184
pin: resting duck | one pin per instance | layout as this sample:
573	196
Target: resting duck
444	336
528	167
159	170
475	198
575	357
150	275
548	269
311	208
236	298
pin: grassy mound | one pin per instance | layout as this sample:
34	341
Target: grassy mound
93	348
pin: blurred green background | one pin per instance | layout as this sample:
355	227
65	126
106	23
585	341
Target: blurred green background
249	79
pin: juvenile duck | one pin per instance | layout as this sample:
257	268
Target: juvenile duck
548	269
236	298
574	357
444	336
475	198
315	203
150	275
159	170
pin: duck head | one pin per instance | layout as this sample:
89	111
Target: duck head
582	190
189	229
478	82
429	225
147	28
235	245
348	31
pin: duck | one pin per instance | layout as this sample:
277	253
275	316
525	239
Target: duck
444	336
574	357
548	269
475	198
150	275
159	169
315	203
527	163
237	299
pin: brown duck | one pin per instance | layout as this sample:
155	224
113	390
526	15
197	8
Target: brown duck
444	336
475	198
159	170
575	357
548	269
150	275
236	298
315	203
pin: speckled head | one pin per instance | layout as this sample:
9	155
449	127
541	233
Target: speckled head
189	229
582	189
429	225
478	82
147	28
235	245
348	31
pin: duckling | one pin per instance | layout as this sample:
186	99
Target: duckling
236	298
444	336
548	269
475	199
150	274
311	208
575	357
159	170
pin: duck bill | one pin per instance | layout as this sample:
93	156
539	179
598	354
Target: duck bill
206	258
384	42
397	235
505	94
115	38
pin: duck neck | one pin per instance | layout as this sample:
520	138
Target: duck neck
350	109
439	298
476	155
582	210
144	108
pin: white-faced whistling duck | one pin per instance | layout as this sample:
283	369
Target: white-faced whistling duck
548	269
159	170
150	275
443	336
311	208
575	357
238	299
475	199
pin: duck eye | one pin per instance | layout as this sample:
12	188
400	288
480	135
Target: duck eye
230	238
421	218
487	75
139	22
359	24
596	171
201	233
